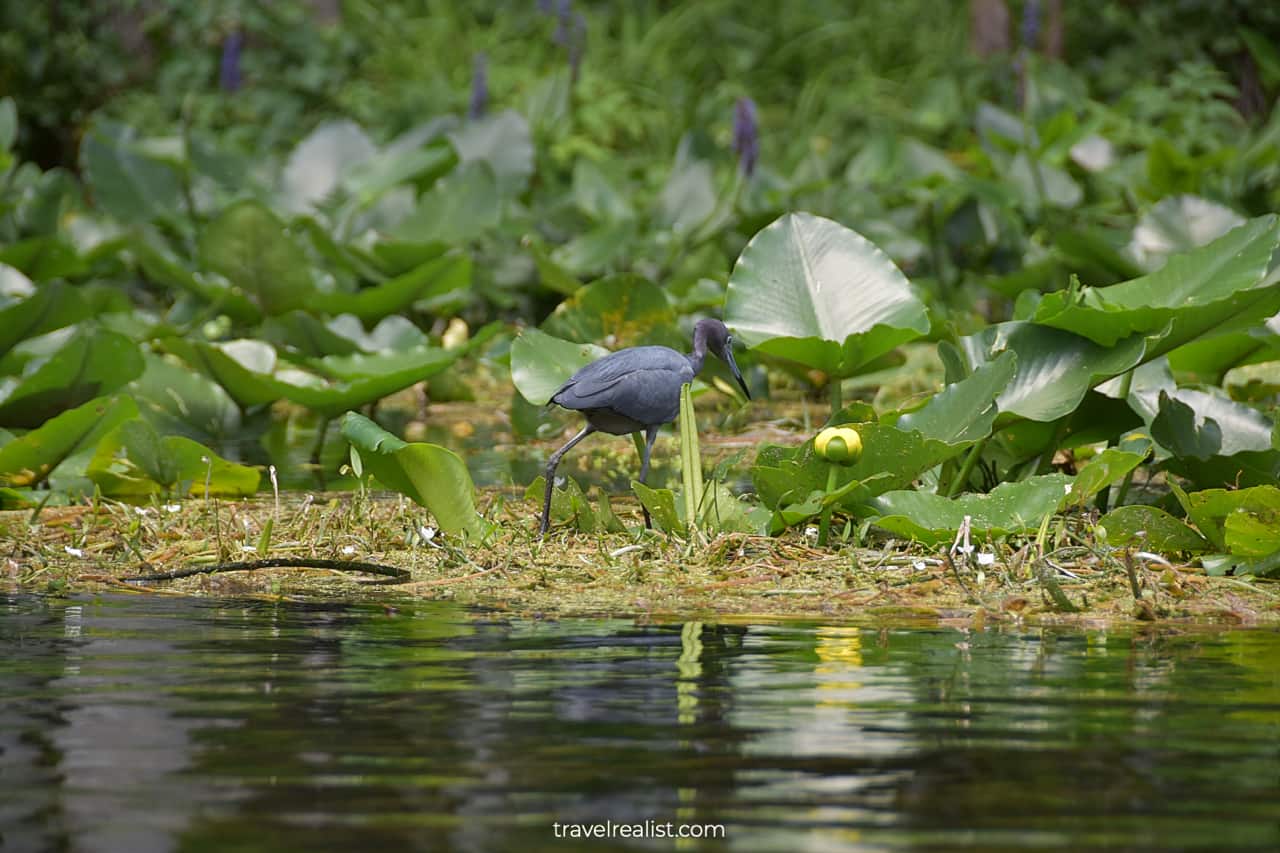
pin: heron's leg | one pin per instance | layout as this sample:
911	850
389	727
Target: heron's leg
550	475
650	436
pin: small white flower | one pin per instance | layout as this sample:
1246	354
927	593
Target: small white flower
142	511
248	549
986	558
919	565
74	552
811	532
348	550
1066	489
172	508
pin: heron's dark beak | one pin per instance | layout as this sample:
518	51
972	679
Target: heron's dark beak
727	355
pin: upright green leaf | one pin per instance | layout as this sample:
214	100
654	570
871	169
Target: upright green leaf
251	247
812	291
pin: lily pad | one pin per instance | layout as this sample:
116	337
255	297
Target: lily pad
251	247
1151	527
91	364
29	459
133	461
623	310
932	519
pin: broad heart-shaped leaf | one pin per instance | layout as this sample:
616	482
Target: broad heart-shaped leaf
663	507
133	461
502	142
91	364
964	411
317	165
251	247
1054	369
1192	294
812	291
541	363
932	519
431	279
53	306
126	183
1150	527
462	206
430	475
568	503
360	379
28	459
622	310
1179	224
1176	429
1103	471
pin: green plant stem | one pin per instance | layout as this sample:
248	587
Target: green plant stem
824	526
962	476
1121	491
837	396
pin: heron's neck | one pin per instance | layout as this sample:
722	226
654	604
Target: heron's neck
699	354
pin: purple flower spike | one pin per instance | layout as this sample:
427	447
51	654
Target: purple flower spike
746	135
479	87
1030	23
229	77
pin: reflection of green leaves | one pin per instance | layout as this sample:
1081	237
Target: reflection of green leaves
624	310
29	459
251	247
133	460
1192	294
91	364
812	291
932	519
541	363
430	475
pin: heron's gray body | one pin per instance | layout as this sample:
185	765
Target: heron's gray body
636	390
629	390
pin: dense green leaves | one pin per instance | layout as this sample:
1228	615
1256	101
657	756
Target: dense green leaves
252	248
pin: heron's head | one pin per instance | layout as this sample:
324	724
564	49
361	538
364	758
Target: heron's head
716	338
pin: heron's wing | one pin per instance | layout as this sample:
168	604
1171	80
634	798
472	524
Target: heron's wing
642	383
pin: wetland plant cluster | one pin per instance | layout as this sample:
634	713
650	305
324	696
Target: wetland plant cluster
1089	272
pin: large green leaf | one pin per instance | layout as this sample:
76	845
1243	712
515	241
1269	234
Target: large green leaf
1192	294
52	306
503	143
462	206
124	181
1179	224
1212	511
318	163
248	371
134	461
91	364
432	279
1150	527
932	519
430	475
623	310
180	401
812	291
420	165
964	411
1055	369
163	267
541	363
252	248
29	459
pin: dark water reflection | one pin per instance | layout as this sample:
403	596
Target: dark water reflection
158	724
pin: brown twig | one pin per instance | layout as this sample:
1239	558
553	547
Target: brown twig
400	575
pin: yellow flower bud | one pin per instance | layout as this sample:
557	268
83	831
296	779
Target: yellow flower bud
841	445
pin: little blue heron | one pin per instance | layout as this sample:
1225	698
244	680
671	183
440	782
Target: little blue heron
636	390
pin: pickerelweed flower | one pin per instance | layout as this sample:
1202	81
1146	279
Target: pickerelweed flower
479	87
1030	23
746	135
229	77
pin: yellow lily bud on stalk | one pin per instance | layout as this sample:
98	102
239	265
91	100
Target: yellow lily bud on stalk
841	445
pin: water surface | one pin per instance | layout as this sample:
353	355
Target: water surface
147	723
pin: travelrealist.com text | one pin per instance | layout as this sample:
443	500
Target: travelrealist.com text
644	829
